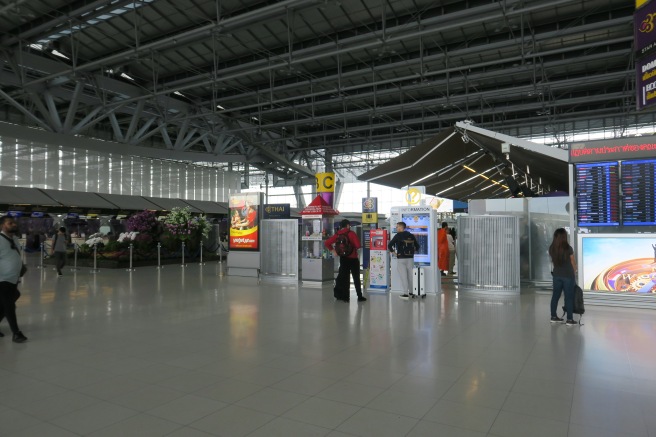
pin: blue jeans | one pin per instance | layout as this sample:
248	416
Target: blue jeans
561	284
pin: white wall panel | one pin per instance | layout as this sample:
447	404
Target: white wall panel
59	168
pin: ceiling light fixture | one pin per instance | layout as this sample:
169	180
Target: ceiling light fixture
60	54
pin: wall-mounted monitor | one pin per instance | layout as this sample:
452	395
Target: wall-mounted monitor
638	185
597	194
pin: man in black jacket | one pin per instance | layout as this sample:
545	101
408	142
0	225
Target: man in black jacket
404	245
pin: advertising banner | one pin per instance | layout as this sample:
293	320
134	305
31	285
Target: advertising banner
277	211
244	221
619	263
646	81
644	29
378	260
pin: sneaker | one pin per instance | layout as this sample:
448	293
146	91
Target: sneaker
557	320
413	296
362	299
404	297
19	338
571	323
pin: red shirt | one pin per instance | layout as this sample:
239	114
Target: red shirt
353	238
250	217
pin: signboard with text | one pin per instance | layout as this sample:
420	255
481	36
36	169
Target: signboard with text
646	81
611	150
277	211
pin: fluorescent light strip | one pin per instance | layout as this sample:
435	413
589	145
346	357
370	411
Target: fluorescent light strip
99	19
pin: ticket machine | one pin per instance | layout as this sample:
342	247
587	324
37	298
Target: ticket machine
420	221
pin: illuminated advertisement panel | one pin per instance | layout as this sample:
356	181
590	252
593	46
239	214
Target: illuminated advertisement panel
618	262
419	225
244	221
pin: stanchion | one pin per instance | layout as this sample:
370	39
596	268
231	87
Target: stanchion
130	269
159	259
201	254
75	249
40	266
23	258
183	261
95	259
220	253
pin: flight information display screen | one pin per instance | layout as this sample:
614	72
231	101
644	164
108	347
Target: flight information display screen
597	194
638	185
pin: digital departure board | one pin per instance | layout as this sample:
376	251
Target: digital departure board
638	184
597	194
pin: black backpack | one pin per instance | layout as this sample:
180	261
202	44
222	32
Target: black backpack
343	245
579	307
406	247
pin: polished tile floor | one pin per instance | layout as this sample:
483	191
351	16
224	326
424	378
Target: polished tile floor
188	352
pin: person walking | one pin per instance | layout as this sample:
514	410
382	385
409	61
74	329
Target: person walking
11	269
443	249
345	244
403	246
59	244
564	276
451	239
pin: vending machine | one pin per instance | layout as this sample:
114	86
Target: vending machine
421	222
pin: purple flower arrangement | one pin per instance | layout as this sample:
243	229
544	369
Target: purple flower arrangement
181	224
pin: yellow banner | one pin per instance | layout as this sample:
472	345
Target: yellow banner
640	3
369	217
325	182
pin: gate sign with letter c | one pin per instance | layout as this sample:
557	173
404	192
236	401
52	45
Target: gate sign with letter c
325	182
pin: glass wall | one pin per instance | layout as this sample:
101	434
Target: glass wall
60	168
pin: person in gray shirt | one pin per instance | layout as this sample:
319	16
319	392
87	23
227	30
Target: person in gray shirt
11	269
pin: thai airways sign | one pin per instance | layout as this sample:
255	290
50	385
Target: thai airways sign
644	25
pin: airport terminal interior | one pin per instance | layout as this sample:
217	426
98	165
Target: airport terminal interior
530	115
189	352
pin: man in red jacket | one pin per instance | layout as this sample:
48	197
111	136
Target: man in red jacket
349	263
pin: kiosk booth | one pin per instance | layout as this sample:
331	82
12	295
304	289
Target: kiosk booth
420	221
317	262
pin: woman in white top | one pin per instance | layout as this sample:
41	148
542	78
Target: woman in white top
452	250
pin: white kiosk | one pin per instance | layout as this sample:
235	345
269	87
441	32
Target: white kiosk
420	221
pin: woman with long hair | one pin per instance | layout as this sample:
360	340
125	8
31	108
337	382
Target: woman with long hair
564	275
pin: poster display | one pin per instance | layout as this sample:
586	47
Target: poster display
244	221
618	262
379	265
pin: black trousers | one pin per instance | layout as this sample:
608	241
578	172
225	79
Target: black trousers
349	266
9	294
60	260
